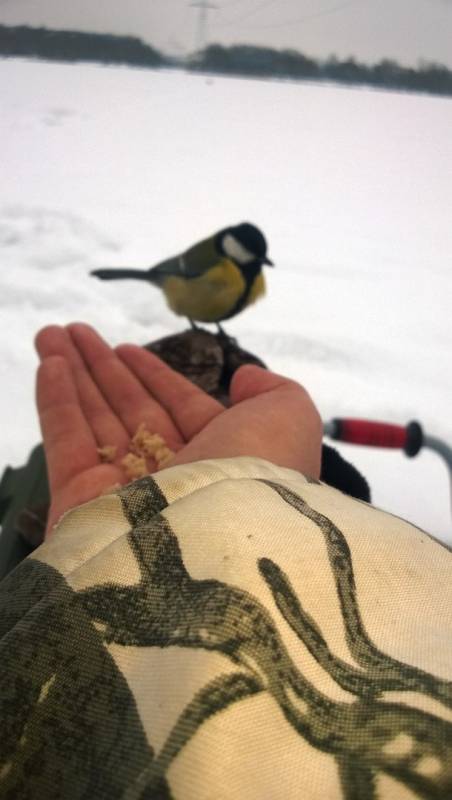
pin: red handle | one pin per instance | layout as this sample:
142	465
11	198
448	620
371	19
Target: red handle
379	434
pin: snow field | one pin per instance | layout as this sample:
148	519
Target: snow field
352	187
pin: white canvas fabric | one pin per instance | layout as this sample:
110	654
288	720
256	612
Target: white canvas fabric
229	629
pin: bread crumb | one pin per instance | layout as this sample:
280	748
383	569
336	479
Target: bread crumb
145	443
165	463
134	466
107	453
163	456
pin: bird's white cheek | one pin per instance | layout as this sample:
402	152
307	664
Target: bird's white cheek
236	251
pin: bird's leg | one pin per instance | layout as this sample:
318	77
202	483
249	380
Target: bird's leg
193	326
221	331
222	335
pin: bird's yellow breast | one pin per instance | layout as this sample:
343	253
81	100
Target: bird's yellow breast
257	289
211	296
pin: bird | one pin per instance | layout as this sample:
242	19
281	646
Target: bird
211	281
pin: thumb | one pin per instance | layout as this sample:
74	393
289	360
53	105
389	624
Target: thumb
250	381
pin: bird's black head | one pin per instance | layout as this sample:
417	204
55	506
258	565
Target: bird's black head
245	244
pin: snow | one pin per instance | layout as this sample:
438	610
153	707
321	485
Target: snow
114	166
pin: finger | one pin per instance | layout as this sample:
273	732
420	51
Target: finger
121	388
69	443
107	428
189	407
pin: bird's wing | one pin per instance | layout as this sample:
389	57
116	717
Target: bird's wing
191	264
163	270
201	257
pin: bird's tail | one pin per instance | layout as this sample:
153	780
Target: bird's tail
118	274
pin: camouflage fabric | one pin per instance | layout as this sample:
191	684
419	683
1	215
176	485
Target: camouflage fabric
228	629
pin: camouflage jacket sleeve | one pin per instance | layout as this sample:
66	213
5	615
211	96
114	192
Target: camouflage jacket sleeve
228	629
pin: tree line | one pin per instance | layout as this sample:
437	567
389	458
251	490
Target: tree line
290	64
244	60
54	45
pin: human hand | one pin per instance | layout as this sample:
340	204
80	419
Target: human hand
90	395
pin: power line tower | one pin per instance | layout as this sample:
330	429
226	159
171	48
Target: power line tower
204	7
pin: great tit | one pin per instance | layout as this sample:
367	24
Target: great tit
213	280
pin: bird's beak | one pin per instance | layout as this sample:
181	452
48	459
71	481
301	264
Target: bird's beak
267	262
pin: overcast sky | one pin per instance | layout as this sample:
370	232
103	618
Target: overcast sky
406	30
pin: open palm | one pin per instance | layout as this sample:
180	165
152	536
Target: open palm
90	395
